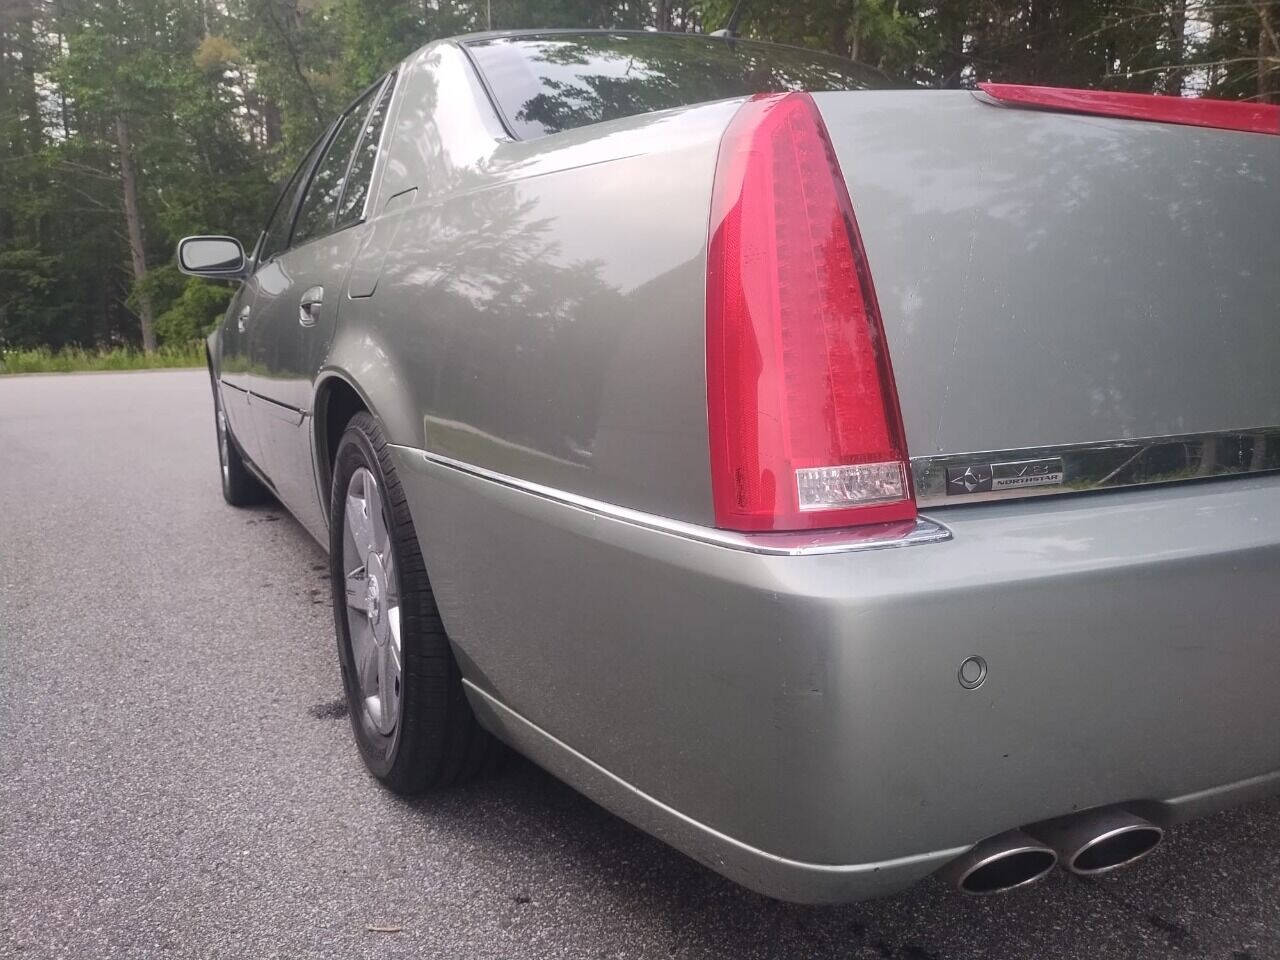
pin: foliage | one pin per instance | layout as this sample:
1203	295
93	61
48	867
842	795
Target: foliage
77	359
206	105
28	278
195	304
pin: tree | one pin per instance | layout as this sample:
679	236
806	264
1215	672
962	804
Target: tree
127	124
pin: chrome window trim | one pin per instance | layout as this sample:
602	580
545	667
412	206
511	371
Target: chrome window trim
1110	465
848	540
379	161
351	160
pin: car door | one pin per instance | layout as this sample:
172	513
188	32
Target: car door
237	370
298	304
232	372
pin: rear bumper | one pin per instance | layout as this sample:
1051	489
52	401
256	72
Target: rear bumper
796	722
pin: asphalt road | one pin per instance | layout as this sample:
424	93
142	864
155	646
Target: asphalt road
177	777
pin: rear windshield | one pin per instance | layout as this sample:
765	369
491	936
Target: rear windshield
553	82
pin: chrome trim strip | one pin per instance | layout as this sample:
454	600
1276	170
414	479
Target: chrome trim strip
355	152
275	409
380	158
849	540
1108	465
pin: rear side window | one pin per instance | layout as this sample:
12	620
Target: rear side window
315	217
547	83
352	206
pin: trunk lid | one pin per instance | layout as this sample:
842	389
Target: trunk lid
1050	279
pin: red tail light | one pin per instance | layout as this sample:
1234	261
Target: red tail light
805	430
1192	111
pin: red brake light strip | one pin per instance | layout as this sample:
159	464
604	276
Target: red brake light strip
1197	112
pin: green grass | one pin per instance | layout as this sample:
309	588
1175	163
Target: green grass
75	359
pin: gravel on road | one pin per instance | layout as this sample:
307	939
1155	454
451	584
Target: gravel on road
178	779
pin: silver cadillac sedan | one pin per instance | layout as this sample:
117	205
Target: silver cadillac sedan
842	483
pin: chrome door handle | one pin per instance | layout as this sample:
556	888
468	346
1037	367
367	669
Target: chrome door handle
309	306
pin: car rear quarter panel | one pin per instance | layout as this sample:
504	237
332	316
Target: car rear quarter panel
538	307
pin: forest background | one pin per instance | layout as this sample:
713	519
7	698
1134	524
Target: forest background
127	124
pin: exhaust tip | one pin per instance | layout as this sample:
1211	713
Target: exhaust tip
1116	848
1000	864
1100	840
1008	871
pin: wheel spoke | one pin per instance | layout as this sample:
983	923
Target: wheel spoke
357	594
388	684
393	640
393	627
364	651
359	525
389	568
377	524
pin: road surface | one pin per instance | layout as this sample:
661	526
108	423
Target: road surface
177	777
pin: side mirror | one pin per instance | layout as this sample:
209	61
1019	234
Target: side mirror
221	258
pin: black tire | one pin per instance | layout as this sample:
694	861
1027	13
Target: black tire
436	740
240	488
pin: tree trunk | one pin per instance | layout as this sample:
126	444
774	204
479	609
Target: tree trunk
662	14
62	92
21	14
1268	50
955	44
1177	47
272	123
285	33
133	220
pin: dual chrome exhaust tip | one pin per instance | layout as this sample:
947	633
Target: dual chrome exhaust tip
1087	844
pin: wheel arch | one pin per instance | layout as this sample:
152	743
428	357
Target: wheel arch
361	372
337	400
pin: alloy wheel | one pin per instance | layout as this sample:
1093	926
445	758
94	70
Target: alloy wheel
224	452
373	602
